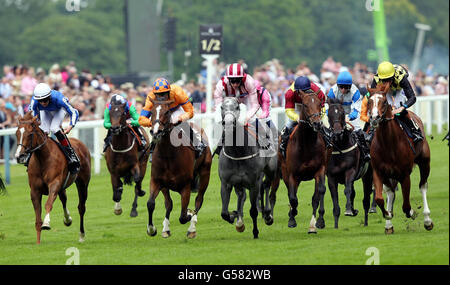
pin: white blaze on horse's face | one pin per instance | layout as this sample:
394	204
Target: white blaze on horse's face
156	127
19	148
375	99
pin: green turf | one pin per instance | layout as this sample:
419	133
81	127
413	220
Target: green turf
112	239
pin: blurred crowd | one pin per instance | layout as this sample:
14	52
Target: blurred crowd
89	92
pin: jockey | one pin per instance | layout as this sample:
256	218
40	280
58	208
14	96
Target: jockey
237	83
182	109
292	96
132	114
351	98
400	101
51	107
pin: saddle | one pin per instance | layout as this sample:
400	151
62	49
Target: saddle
71	164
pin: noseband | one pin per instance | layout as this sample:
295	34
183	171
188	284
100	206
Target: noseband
376	122
309	117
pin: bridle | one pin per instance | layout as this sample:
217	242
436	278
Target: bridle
31	149
309	116
167	126
376	122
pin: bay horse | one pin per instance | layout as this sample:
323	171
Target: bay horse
393	156
243	165
346	165
174	167
48	173
306	158
123	158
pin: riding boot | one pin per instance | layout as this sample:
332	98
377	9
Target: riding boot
363	146
285	133
74	162
107	140
200	146
152	147
415	132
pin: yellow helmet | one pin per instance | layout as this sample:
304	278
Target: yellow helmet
385	70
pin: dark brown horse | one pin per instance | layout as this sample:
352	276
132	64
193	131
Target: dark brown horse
123	158
346	164
393	156
48	173
306	158
174	167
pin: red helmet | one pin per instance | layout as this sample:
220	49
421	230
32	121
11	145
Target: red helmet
235	70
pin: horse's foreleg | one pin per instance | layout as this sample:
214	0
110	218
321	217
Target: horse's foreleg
168	203
63	197
117	186
137	189
318	201
36	199
185	198
154	191
254	209
350	193
367	185
293	201
241	197
406	188
333	186
52	194
82	187
390	199
225	193
379	194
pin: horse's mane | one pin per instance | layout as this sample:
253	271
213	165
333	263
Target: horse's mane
334	101
27	116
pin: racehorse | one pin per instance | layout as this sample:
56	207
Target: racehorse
241	166
393	156
123	158
306	158
345	165
48	173
174	167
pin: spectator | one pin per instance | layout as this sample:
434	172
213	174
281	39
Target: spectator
28	82
55	77
428	88
7	72
5	88
442	86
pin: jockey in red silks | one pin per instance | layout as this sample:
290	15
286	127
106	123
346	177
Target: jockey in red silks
246	89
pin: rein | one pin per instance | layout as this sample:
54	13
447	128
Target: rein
31	149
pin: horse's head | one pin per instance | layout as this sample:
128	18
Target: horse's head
311	108
336	118
161	118
29	137
118	117
230	111
378	108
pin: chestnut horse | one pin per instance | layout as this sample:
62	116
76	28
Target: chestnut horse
48	173
123	158
306	158
393	156
346	165
174	167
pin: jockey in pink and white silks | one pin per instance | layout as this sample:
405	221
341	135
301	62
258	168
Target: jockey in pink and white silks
236	83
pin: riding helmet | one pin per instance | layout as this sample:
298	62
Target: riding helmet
302	83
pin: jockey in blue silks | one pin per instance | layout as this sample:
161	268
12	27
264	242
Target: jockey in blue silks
351	99
51	107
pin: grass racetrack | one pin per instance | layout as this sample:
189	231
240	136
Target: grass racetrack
119	240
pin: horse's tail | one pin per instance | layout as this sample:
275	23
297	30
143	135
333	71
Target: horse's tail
127	179
2	186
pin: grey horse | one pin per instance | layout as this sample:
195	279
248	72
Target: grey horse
242	166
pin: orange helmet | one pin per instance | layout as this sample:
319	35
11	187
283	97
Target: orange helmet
161	85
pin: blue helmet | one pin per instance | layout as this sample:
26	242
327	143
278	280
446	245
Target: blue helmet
302	83
344	78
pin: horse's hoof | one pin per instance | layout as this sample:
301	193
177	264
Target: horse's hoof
151	231
191	234
292	223
429	227
373	210
45	227
312	231
68	222
165	234
240	229
269	221
133	213
118	212
412	214
389	231
320	224
82	237
141	193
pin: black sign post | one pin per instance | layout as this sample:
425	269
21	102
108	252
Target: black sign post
210	39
